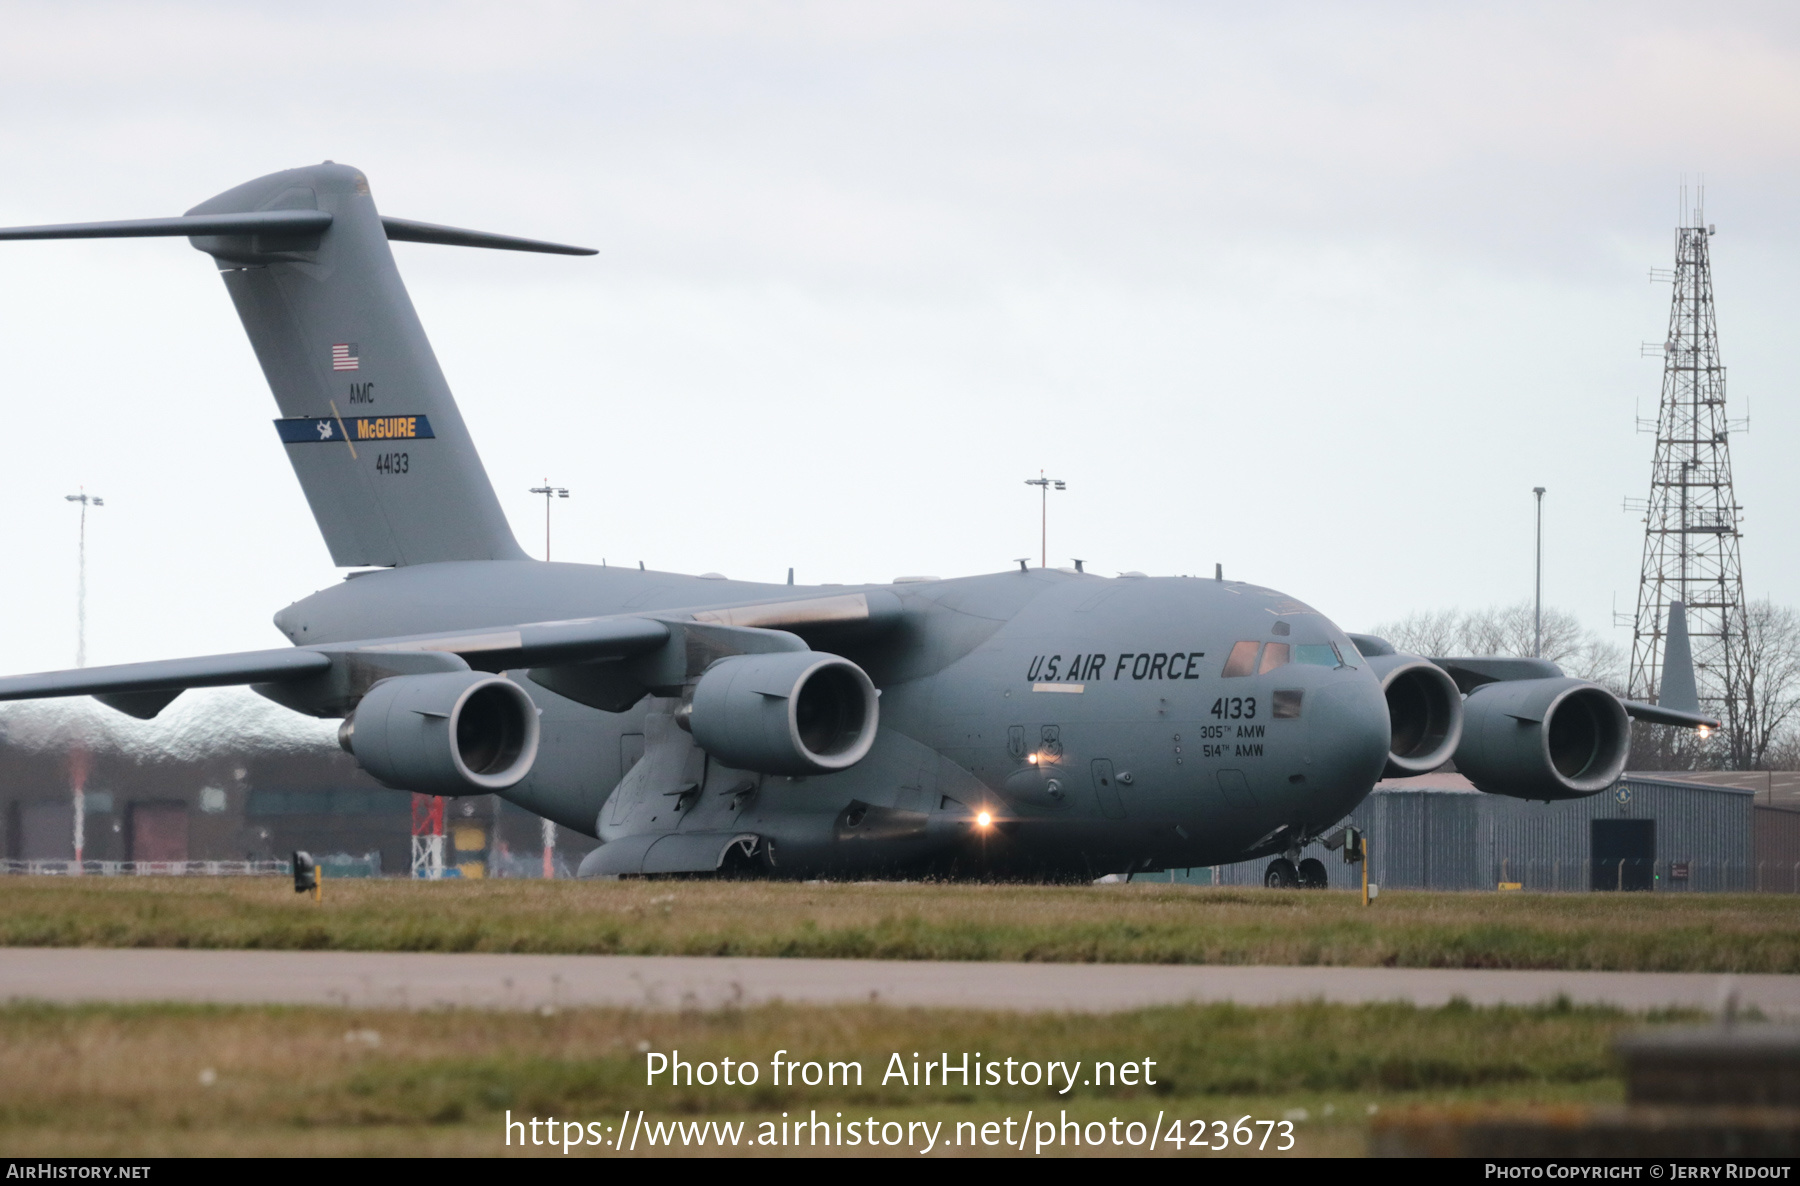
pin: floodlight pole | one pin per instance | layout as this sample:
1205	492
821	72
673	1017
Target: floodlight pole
78	757
86	500
1043	484
549	492
1537	612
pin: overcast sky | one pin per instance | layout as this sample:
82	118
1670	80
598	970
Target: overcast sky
1315	291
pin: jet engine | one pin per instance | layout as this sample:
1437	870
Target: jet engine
791	712
1543	738
449	733
1426	712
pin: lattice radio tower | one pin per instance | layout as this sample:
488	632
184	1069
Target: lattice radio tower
1691	517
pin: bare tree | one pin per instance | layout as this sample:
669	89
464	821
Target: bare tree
1509	630
1425	632
1766	676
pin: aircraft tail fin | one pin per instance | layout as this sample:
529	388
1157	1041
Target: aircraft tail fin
367	419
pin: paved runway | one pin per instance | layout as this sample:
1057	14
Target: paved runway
408	980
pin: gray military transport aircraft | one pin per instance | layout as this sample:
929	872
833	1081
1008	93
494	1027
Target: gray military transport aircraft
1030	723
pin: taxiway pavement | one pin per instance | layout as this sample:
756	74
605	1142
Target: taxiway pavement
417	980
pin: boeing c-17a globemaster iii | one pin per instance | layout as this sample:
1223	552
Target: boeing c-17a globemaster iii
1023	723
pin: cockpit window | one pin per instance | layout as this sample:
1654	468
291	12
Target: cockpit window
1242	660
1316	654
1274	655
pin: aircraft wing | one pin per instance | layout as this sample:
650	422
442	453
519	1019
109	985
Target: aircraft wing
144	689
1471	672
1680	703
1658	714
207	671
534	644
570	657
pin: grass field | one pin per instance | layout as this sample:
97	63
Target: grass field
192	1080
1146	923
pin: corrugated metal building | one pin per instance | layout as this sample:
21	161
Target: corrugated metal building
1777	849
1649	832
253	807
1777	826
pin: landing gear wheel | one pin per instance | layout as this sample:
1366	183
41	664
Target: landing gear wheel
1312	873
1281	874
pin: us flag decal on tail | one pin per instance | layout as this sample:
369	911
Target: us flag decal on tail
344	356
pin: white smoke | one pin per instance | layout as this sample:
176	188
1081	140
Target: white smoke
201	723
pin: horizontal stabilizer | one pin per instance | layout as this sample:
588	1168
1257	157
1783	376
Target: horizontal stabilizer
283	222
259	222
405	230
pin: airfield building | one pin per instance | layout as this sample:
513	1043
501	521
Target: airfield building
251	808
1665	832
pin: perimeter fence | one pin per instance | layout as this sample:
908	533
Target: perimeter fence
148	868
1659	875
335	865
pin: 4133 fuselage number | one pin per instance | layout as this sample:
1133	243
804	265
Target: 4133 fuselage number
1235	708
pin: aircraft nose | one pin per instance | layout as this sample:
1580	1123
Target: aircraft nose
1350	738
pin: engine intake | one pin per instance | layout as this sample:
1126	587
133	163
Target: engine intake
1425	710
1543	738
792	712
449	733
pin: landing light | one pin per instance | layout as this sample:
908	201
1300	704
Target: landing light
1705	732
983	819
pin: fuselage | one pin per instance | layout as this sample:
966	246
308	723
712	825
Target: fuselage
1100	724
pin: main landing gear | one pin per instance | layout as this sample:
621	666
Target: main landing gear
1283	874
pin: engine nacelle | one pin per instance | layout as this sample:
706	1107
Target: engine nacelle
792	712
449	733
1543	738
1425	710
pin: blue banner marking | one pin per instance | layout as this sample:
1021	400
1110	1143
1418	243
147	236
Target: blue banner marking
306	430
